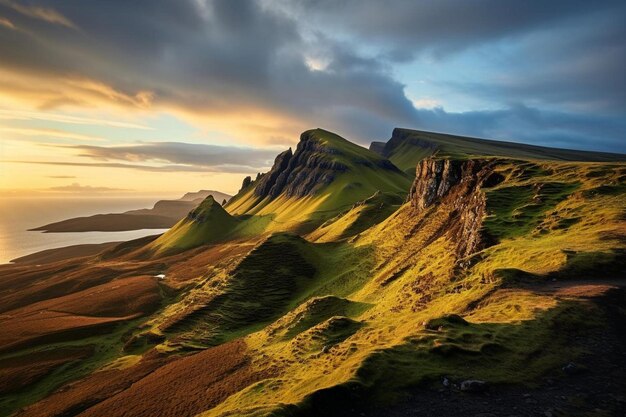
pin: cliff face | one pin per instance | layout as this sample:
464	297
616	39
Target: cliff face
456	186
312	166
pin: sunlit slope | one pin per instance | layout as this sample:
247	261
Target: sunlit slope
482	250
407	147
452	276
207	223
324	176
358	218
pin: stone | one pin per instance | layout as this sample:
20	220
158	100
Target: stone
473	385
571	369
246	183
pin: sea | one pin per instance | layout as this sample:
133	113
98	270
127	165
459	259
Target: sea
18	214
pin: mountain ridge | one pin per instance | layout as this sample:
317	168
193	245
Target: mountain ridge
347	299
164	214
406	147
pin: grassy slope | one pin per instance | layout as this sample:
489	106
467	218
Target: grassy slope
407	147
362	179
372	312
210	223
403	338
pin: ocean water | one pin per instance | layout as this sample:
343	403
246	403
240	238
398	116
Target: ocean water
17	215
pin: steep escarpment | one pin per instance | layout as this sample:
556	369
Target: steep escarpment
502	270
407	147
314	165
325	175
456	184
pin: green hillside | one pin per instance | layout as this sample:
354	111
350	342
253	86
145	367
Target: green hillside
207	223
406	147
335	286
326	175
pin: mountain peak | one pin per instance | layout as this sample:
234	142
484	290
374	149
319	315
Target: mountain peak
319	158
209	208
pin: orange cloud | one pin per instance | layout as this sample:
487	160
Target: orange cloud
6	23
42	13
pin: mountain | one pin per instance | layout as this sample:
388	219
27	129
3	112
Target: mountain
206	223
406	147
164	214
325	175
334	285
202	194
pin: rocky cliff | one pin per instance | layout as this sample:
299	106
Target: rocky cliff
314	164
456	185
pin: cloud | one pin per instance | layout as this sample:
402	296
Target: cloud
520	123
10	114
54	133
77	188
168	157
45	14
404	28
6	23
61	176
145	168
262	71
205	157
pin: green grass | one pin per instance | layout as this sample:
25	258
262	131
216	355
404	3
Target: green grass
258	290
313	312
516	353
374	299
207	223
408	147
517	210
360	217
362	174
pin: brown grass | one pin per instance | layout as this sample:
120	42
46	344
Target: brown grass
17	373
73	398
183	387
78	314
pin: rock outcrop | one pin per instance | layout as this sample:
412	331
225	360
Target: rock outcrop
312	166
245	183
456	185
407	138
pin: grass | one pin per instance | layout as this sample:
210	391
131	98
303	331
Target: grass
410	146
518	209
107	349
207	223
360	217
406	336
375	301
364	174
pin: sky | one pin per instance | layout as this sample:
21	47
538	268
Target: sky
160	97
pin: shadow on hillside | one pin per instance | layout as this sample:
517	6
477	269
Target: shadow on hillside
512	358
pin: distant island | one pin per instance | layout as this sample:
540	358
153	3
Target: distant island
163	215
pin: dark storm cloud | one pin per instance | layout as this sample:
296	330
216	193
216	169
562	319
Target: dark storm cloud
230	56
406	27
519	123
